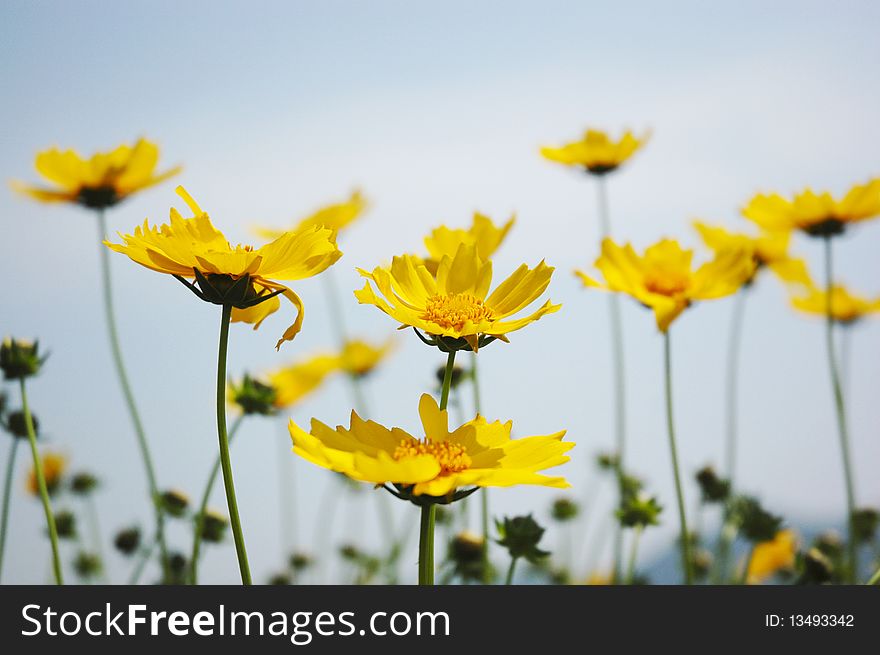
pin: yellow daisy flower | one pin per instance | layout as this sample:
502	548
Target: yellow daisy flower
103	180
483	234
455	308
359	358
438	464
817	214
770	557
664	279
336	216
54	466
769	249
597	152
846	307
241	276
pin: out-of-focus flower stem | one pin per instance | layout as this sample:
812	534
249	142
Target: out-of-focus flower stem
7	489
484	492
633	554
41	485
225	462
510	570
127	393
840	409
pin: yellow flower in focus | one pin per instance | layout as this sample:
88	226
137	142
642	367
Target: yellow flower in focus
597	152
456	307
769	249
295	382
242	276
103	180
439	462
336	216
483	234
54	466
846	307
359	358
817	214
770	557
664	278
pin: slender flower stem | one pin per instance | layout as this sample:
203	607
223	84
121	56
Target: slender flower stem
41	485
744	577
484	492
840	408
7	488
618	379
95	527
203	506
426	545
509	579
116	350
670	425
732	390
429	511
634	547
225	462
143	557
875	579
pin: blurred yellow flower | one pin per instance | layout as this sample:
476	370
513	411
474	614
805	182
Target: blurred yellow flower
770	557
359	357
103	180
817	214
846	307
54	466
664	279
243	276
477	454
483	234
456	304
769	249
597	152
293	383
598	578
336	216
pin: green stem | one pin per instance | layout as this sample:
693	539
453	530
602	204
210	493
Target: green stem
670	425
41	485
744	577
144	557
426	545
634	547
203	506
225	462
95	527
116	351
875	579
733	347
326	519
7	488
447	381
509	579
839	406
484	492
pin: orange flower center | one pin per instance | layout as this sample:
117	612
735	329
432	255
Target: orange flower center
666	283
455	309
452	457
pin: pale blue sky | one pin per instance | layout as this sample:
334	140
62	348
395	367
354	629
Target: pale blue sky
276	108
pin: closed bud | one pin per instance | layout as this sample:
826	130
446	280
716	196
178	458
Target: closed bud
830	544
465	551
457	375
20	359
127	541
17	425
608	461
174	502
213	527
87	565
280	579
350	552
65	524
817	568
640	510
756	524
442	516
83	483
564	509
713	488
300	561
520	536
864	523
177	569
254	396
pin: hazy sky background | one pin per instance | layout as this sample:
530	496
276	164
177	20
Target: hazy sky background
276	108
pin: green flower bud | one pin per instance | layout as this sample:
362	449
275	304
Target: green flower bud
177	569
175	503
20	359
254	396
638	510
701	561
756	524
87	565
83	484
520	536
300	561
713	488
630	485
608	461
458	375
830	544
816	568
17	426
127	541
864	522
564	509
442	516
350	552
280	579
65	524
213	527
465	551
